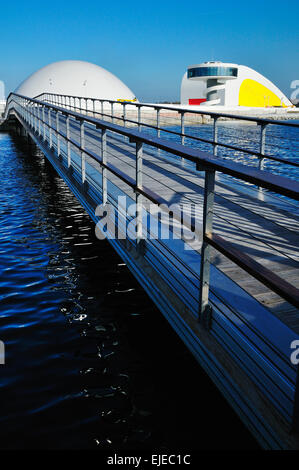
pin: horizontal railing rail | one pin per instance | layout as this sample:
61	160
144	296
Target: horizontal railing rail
180	109
32	113
75	103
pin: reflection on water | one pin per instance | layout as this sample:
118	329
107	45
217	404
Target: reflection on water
90	361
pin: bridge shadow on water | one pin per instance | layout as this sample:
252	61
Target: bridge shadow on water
91	362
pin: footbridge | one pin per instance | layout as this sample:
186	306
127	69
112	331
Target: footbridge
213	240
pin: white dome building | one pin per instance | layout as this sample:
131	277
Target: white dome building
76	78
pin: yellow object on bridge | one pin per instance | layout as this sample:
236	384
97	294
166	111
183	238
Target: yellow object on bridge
124	101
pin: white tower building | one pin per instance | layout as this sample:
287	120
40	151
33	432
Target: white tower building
229	85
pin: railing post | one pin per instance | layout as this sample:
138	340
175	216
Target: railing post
262	145
86	106
94	107
124	114
44	124
215	135
32	116
39	126
50	127
158	122
82	146
112	116
57	134
182	128
102	108
205	311
68	141
104	170
35	117
139	118
139	151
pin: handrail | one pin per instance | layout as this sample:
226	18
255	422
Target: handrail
261	155
185	110
275	183
205	162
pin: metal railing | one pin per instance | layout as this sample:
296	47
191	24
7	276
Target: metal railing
37	117
90	105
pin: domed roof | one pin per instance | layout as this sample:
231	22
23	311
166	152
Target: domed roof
77	78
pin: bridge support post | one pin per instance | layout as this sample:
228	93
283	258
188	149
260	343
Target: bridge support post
23	132
208	207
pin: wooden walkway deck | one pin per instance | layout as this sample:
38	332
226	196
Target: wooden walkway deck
267	230
246	351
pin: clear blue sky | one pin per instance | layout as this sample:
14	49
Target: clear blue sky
149	44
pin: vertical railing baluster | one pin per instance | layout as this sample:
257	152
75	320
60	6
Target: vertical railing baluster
139	151
50	127
262	145
215	135
182	127
82	146
208	207
139	118
35	117
124	114
44	124
102	109
104	161
158	122
68	143
32	116
112	115
57	134
94	107
39	124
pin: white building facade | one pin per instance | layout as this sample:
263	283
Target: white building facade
230	86
76	78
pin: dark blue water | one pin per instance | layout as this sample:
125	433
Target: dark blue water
90	361
281	141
